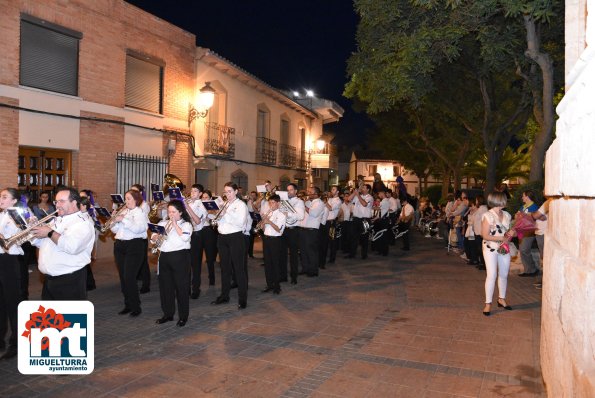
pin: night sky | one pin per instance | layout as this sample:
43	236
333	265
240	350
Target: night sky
292	45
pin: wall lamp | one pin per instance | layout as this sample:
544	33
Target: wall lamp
204	102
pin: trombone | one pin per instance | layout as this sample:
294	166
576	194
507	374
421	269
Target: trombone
219	215
112	220
24	235
260	226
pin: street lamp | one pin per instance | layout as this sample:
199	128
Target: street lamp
204	102
309	95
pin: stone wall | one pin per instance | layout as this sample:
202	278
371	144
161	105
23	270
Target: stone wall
568	315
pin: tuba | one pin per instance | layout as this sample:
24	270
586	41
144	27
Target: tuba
170	181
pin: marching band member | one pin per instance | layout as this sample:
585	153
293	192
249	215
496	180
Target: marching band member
84	207
144	274
130	228
405	219
382	222
323	232
291	236
10	276
232	246
309	232
346	207
209	239
334	205
274	224
65	248
394	209
198	215
174	263
362	210
261	203
251	199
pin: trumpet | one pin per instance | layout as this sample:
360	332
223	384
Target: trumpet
219	215
260	226
112	220
161	238
25	235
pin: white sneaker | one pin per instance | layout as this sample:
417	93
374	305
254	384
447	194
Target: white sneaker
463	256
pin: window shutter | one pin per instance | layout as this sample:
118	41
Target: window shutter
143	85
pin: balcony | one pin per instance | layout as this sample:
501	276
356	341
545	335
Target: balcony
266	151
303	162
220	140
287	156
325	158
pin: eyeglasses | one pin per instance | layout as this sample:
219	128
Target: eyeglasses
61	201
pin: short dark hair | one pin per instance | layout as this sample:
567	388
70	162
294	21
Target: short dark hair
479	200
232	185
179	205
293	185
275	198
73	194
208	193
14	193
84	201
316	191
199	187
530	194
138	198
369	187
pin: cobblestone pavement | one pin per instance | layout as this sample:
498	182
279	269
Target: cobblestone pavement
406	325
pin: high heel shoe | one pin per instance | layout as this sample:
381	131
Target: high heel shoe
488	305
506	307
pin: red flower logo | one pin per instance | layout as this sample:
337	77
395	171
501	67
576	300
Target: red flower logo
43	319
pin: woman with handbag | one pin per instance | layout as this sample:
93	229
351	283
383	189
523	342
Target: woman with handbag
495	230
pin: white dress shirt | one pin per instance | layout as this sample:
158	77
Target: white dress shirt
8	229
73	251
278	219
145	207
132	226
199	209
248	225
174	242
394	205
384	207
234	218
363	211
294	219
312	218
324	214
346	207
407	211
335	204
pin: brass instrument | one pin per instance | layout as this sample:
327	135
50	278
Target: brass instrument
260	226
287	207
171	181
270	193
161	238
24	235
219	215
112	220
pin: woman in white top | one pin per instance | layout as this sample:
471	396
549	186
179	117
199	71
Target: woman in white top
198	215
130	228
10	279
174	264
144	274
495	228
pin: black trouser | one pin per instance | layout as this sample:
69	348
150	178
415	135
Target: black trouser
291	241
479	249
332	243
309	250
129	256
144	274
252	234
10	297
29	257
346	236
209	239
71	286
323	243
247	242
383	241
196	250
174	282
90	278
359	238
272	247
231	253
392	222
404	228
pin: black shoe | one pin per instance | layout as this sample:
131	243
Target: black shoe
277	291
322	266
262	264
506	307
302	273
233	285
211	283
405	248
182	322
527	274
349	256
242	305
294	281
487	313
283	280
135	313
91	287
125	311
10	353
164	319
480	267
144	290
364	257
312	275
195	295
267	289
220	300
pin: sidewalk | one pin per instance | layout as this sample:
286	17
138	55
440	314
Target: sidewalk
406	325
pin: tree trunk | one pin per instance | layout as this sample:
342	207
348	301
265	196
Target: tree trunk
445	182
544	106
492	165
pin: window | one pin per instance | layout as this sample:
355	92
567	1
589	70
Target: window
144	82
48	56
262	122
240	178
372	169
284	138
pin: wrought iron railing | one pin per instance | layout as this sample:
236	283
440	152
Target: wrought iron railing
220	140
287	155
139	169
303	161
266	150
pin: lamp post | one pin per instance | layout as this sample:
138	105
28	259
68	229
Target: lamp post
204	102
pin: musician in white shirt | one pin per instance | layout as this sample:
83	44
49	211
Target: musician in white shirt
334	205
362	210
274	224
232	246
291	236
323	232
144	274
130	228
209	239
174	263
346	223
309	232
382	223
407	214
198	216
10	284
